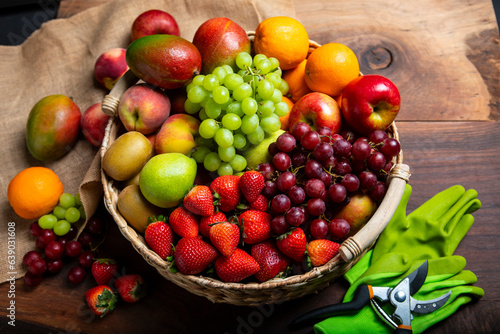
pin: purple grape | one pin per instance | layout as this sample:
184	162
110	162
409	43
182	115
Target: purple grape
296	216
285	181
297	194
314	188
280	203
337	193
286	142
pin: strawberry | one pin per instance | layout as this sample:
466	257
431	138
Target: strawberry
104	270
260	204
256	226
193	255
320	251
226	191
225	237
293	244
130	287
184	222
101	300
159	237
251	184
237	267
199	200
270	259
205	222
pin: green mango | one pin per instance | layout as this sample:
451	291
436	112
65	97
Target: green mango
166	61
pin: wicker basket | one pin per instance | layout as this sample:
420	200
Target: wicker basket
272	291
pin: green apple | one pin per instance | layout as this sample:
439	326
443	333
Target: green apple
166	178
258	154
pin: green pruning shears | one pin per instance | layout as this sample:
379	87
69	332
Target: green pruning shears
400	297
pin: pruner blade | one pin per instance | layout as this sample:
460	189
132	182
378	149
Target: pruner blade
429	306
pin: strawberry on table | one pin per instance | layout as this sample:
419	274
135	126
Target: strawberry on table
206	222
270	259
237	267
159	237
184	222
131	287
193	255
226	191
256	226
104	270
101	300
251	184
293	244
225	237
199	200
321	251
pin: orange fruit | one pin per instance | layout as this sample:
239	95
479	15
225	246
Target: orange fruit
295	78
34	191
330	68
284	119
283	38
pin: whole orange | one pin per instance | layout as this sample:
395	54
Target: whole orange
34	191
283	38
330	68
295	78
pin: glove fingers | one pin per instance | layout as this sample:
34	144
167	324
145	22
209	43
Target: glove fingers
455	236
439	204
433	289
444	267
467	204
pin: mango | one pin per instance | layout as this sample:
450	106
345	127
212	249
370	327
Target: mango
53	127
166	61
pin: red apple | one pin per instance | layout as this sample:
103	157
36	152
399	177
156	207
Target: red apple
370	102
219	40
358	211
93	124
177	134
143	108
110	66
153	22
317	110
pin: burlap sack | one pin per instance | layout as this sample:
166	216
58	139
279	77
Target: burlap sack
59	59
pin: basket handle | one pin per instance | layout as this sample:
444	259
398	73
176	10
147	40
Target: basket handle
111	101
355	245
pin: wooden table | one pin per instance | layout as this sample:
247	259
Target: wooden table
445	58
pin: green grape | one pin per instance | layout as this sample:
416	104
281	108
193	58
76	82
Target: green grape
231	121
277	96
207	98
224	137
210	82
197	94
200	141
242	91
62	227
270	124
72	215
233	80
266	108
257	136
67	200
226	154
275	63
258	58
281	109
78	200
283	87
191	107
264	66
275	78
190	86
249	123
198	80
238	163
200	153
235	108
208	128
211	162
47	221
265	89
243	59
220	73
59	212
213	109
203	115
249	106
228	69
220	94
225	169
239	141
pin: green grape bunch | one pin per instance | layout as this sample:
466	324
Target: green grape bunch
236	110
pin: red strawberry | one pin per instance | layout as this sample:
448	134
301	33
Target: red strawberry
101	300
205	222
237	267
321	251
130	287
184	222
260	204
159	237
104	270
193	255
225	237
226	191
199	200
251	184
293	244
256	226
270	259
